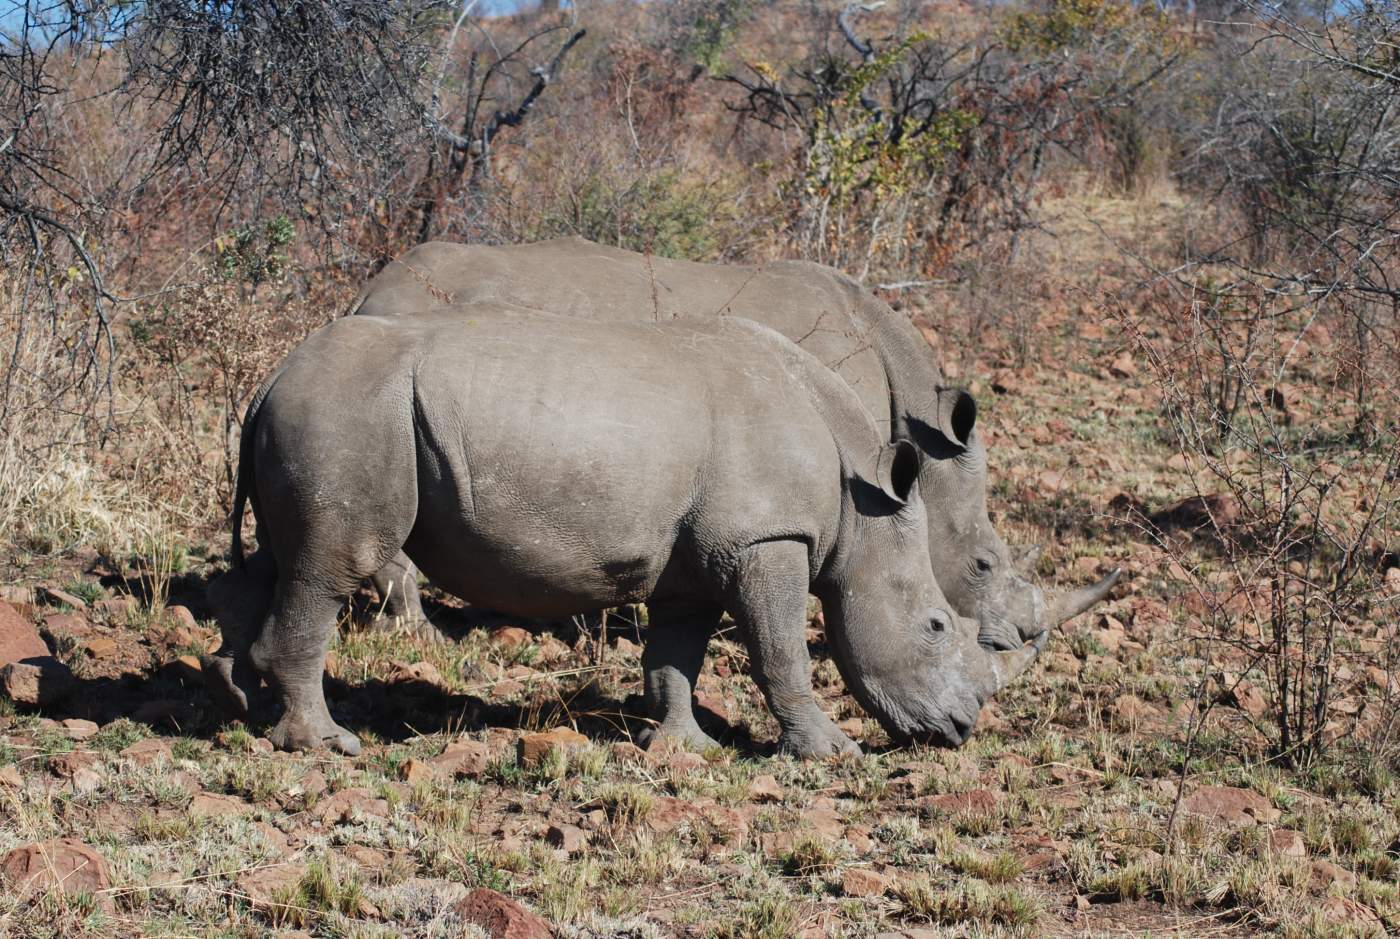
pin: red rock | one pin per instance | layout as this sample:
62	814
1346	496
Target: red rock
863	882
858	837
10	776
568	838
1287	843
626	648
1361	918
715	706
973	802
216	805
1250	699
668	813
19	640
79	729
765	788
533	747
36	681
58	595
628	754
511	637
1230	804
116	608
64	765
500	916
347	805
419	673
825	822
1324	874
101	647
181	616
61	626
66	865
270	887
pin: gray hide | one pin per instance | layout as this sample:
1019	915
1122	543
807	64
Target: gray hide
544	466
876	350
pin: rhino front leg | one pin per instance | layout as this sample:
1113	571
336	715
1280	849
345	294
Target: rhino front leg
769	599
677	637
291	655
397	583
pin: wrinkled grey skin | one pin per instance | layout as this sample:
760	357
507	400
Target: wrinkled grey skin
545	466
878	352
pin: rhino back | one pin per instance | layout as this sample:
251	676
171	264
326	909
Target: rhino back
812	305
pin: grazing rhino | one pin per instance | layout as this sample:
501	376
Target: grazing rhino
544	466
877	351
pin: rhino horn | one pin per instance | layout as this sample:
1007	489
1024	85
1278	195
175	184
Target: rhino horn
1066	606
1005	667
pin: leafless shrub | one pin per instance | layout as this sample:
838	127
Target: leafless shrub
1296	512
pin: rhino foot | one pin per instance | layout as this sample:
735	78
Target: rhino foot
817	740
230	683
309	733
688	735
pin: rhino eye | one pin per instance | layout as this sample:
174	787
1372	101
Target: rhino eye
939	621
981	567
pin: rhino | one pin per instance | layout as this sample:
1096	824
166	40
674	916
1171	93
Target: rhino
878	353
545	466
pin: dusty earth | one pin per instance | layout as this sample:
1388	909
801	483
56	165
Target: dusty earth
499	792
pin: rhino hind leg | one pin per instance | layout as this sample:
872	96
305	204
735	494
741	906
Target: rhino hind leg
677	637
397	583
768	598
290	653
240	600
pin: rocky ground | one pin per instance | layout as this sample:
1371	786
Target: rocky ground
499	792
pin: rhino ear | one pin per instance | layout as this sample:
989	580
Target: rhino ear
898	470
957	415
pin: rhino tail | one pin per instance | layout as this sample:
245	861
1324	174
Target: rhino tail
243	487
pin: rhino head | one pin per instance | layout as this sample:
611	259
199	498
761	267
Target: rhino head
906	656
973	565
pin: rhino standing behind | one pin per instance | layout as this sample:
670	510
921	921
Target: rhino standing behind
878	352
544	466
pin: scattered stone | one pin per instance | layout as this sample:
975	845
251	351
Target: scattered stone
36	681
507	688
349	804
57	595
66	865
1230	804
511	637
669	813
765	788
271	886
1249	699
21	596
980	802
19	640
116	608
628	753
65	765
101	647
533	747
568	838
79	729
863	882
187	669
713	707
1344	910
1287	843
1376	675
181	616
858	837
215	805
1123	366
1324	874
552	650
418	673
683	761
1061	663
500	916
1131	711
10	777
